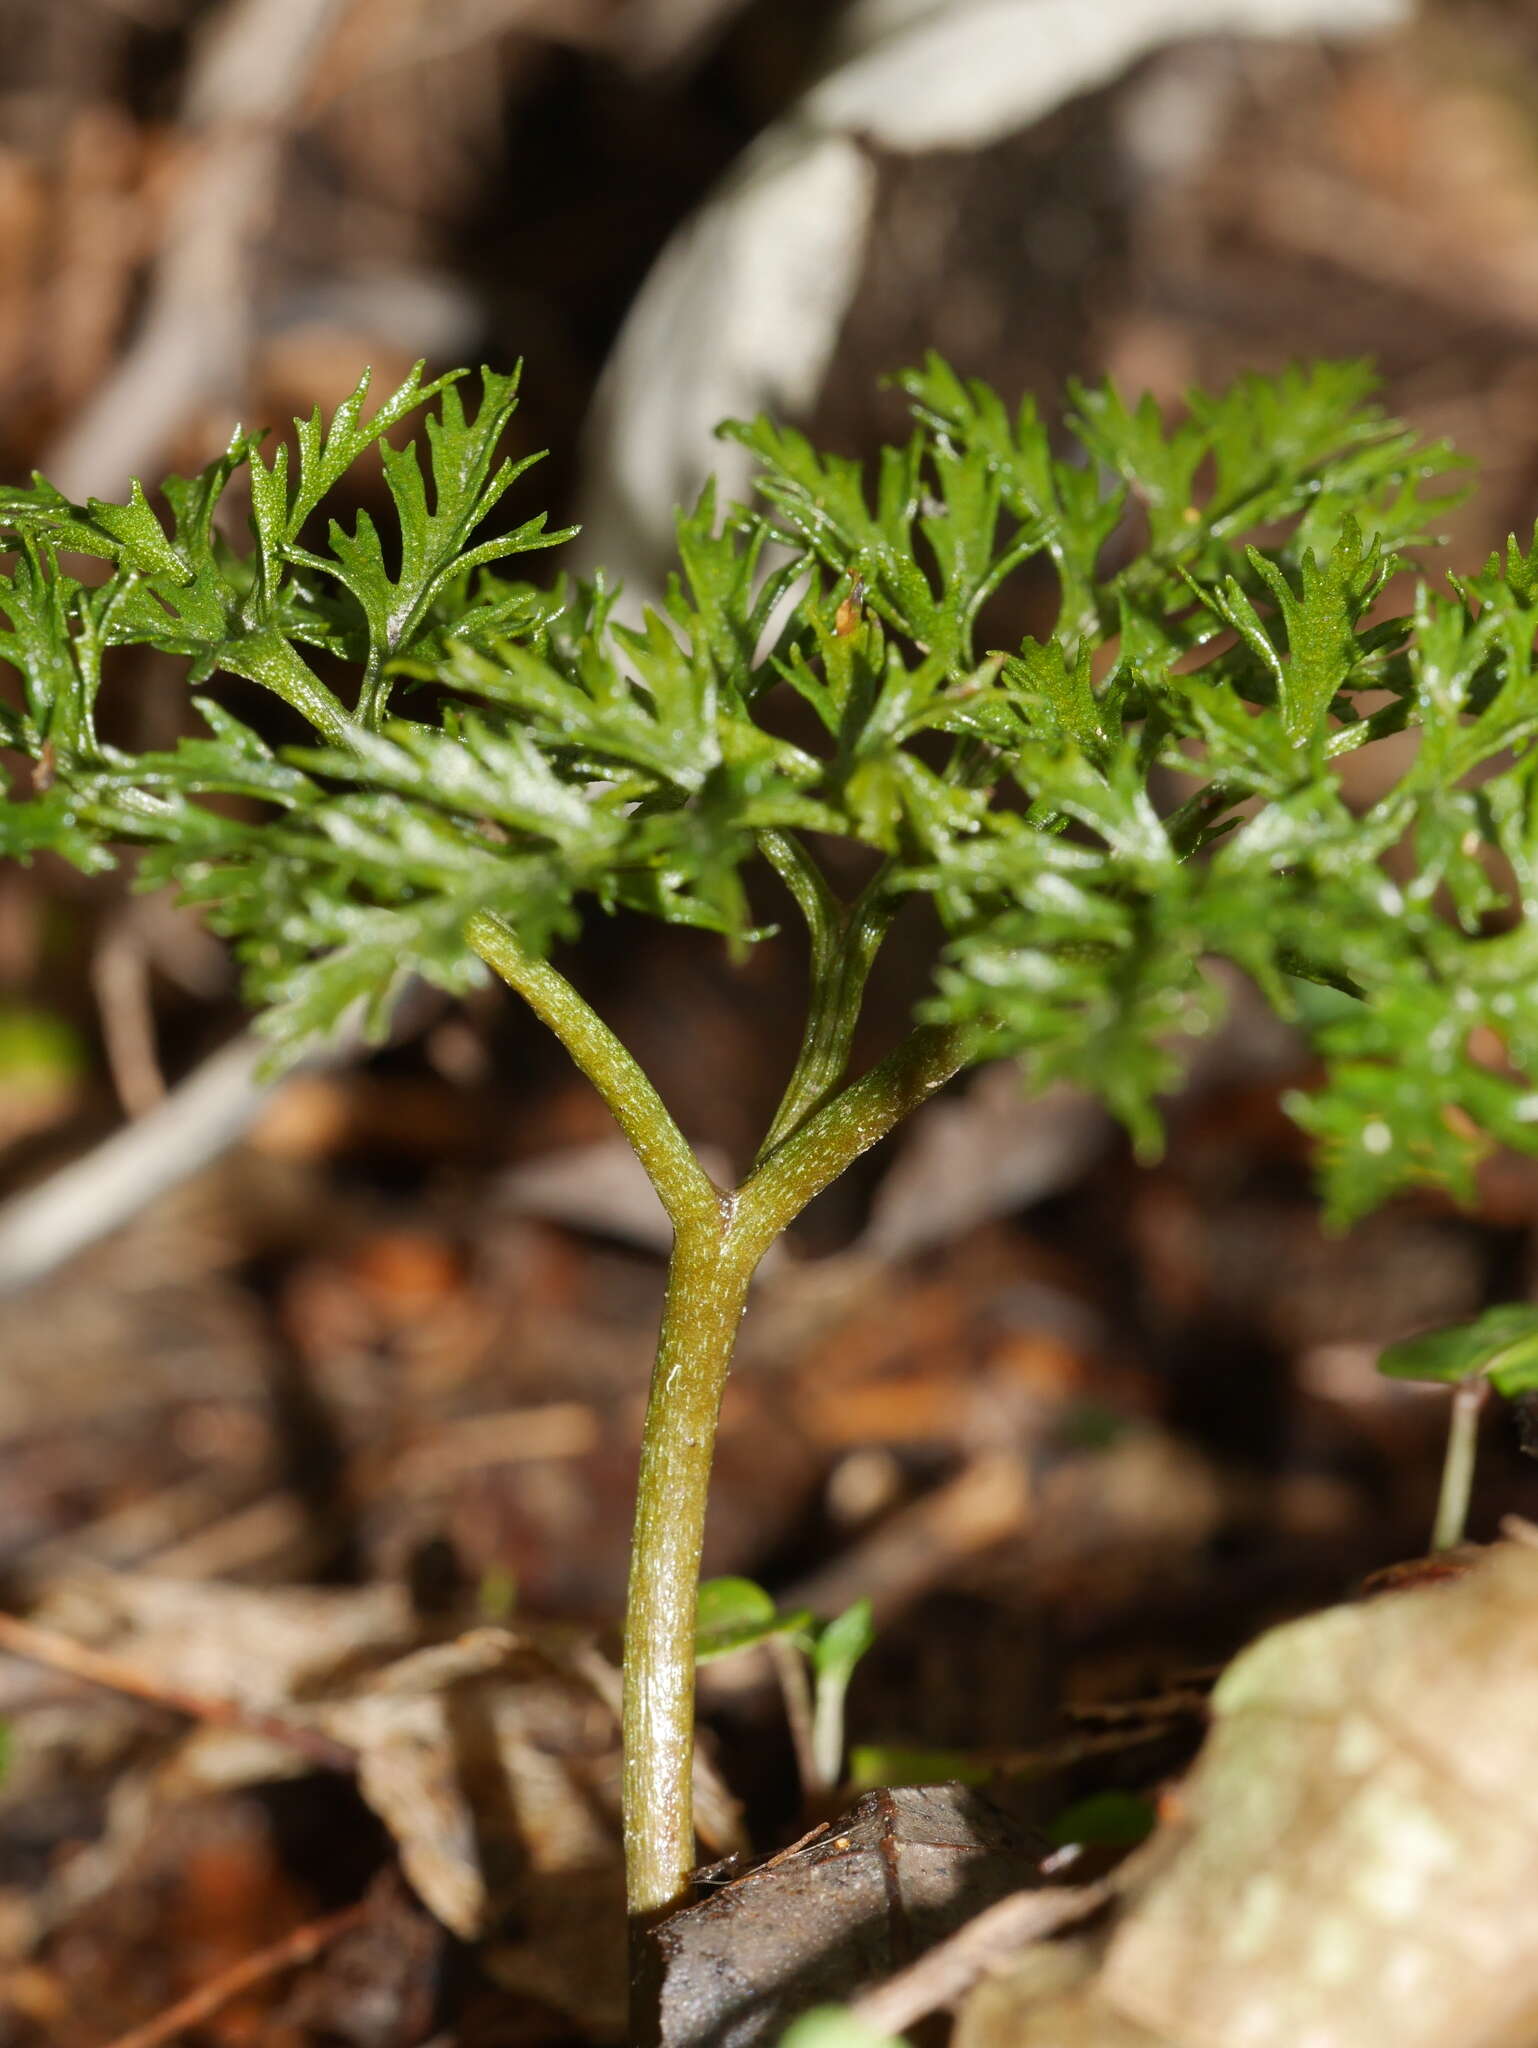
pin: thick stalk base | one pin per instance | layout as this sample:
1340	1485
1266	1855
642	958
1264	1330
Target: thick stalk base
707	1289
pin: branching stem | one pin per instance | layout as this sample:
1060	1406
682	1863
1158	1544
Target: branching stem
719	1239
686	1191
266	657
708	1279
860	1116
845	939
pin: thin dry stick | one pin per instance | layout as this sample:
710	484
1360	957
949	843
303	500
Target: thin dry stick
796	1691
97	1667
987	1501
201	1117
249	73
993	1938
1050	1757
300	1946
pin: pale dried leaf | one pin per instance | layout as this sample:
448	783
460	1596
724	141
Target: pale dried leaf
492	1759
742	310
980	1154
261	1647
601	1187
1354	1859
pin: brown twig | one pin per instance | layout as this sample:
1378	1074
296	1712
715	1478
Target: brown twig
97	1193
245	84
796	1691
994	1937
204	1114
988	1500
1047	1758
302	1945
98	1667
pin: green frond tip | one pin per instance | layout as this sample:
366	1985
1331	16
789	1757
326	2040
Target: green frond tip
1107	820
327	453
1501	1345
129	536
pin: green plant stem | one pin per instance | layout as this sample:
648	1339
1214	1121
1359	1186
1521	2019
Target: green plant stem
686	1191
266	657
707	1291
861	1115
1458	1465
845	939
718	1241
708	1280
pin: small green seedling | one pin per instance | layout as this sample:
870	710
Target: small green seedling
735	1614
1498	1349
835	1649
873	1764
402	759
1111	1820
835	2026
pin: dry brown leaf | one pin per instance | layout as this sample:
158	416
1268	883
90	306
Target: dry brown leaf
494	1762
263	1647
979	1154
493	1759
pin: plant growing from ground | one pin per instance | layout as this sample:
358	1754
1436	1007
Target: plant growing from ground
1497	1349
815	1662
455	765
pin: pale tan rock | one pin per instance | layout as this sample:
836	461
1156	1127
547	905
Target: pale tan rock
1352	1862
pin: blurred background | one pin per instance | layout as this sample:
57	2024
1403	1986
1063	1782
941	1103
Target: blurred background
378	1337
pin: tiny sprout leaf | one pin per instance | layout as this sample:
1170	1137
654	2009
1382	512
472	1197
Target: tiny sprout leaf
1501	1346
1118	1820
735	1614
729	1607
842	1643
874	1764
835	2026
836	1649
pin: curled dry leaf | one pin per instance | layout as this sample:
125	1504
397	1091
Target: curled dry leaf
496	1769
744	307
1354	1858
264	1647
490	1767
492	1759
